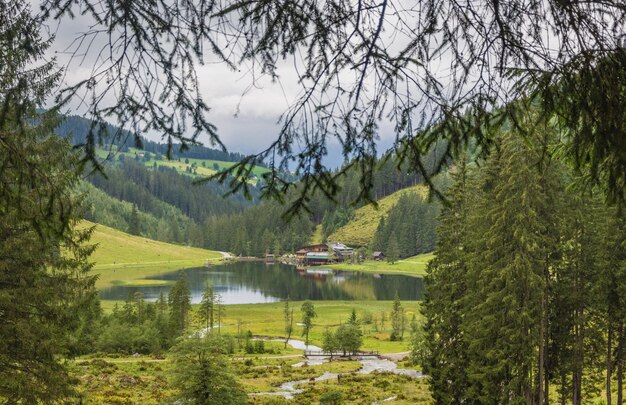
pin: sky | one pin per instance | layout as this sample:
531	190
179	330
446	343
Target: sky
246	116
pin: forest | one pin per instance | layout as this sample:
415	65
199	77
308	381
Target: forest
525	297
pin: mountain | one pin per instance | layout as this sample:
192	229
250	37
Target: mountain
142	192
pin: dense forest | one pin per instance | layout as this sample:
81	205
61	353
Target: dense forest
409	229
524	299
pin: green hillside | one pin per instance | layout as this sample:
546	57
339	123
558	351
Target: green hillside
121	258
360	230
188	166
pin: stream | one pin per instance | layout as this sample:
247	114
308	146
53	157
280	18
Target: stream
369	364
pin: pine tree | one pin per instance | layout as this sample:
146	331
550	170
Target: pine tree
44	288
393	250
134	225
179	300
201	373
397	319
513	236
207	307
445	360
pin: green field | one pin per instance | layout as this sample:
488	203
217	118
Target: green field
360	231
121	258
411	266
267	320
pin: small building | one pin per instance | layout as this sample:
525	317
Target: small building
317	258
378	256
342	252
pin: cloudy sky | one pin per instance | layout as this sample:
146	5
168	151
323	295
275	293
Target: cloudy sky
246	116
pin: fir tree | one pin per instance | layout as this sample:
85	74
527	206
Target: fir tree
207	307
397	319
445	361
44	288
134	225
393	250
179	300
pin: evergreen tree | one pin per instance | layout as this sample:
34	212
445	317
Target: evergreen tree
445	360
202	375
45	292
397	319
179	300
207	307
329	342
134	226
349	338
393	250
353	320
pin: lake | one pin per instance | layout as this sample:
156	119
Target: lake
257	282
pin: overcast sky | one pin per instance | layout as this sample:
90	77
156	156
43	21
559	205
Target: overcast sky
246	117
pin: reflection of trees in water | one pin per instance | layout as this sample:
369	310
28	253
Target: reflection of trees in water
284	281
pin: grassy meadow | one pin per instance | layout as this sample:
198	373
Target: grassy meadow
121	258
411	266
145	380
267	320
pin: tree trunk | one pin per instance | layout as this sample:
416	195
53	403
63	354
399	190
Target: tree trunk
577	371
290	329
609	365
542	351
620	362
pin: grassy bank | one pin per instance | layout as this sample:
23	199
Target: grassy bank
411	266
126	259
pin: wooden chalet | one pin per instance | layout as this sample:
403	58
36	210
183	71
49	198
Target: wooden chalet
378	256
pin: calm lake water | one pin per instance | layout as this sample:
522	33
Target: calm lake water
257	282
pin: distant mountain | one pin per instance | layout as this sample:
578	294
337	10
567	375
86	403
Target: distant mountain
78	127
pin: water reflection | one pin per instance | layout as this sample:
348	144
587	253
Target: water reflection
257	282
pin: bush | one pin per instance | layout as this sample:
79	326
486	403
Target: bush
331	398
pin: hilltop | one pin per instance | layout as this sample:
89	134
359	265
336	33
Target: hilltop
361	229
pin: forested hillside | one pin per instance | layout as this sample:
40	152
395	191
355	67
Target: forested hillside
141	192
77	128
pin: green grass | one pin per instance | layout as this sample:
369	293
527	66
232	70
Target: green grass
267	320
411	266
180	166
121	258
360	231
122	381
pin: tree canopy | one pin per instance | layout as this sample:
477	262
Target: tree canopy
438	72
